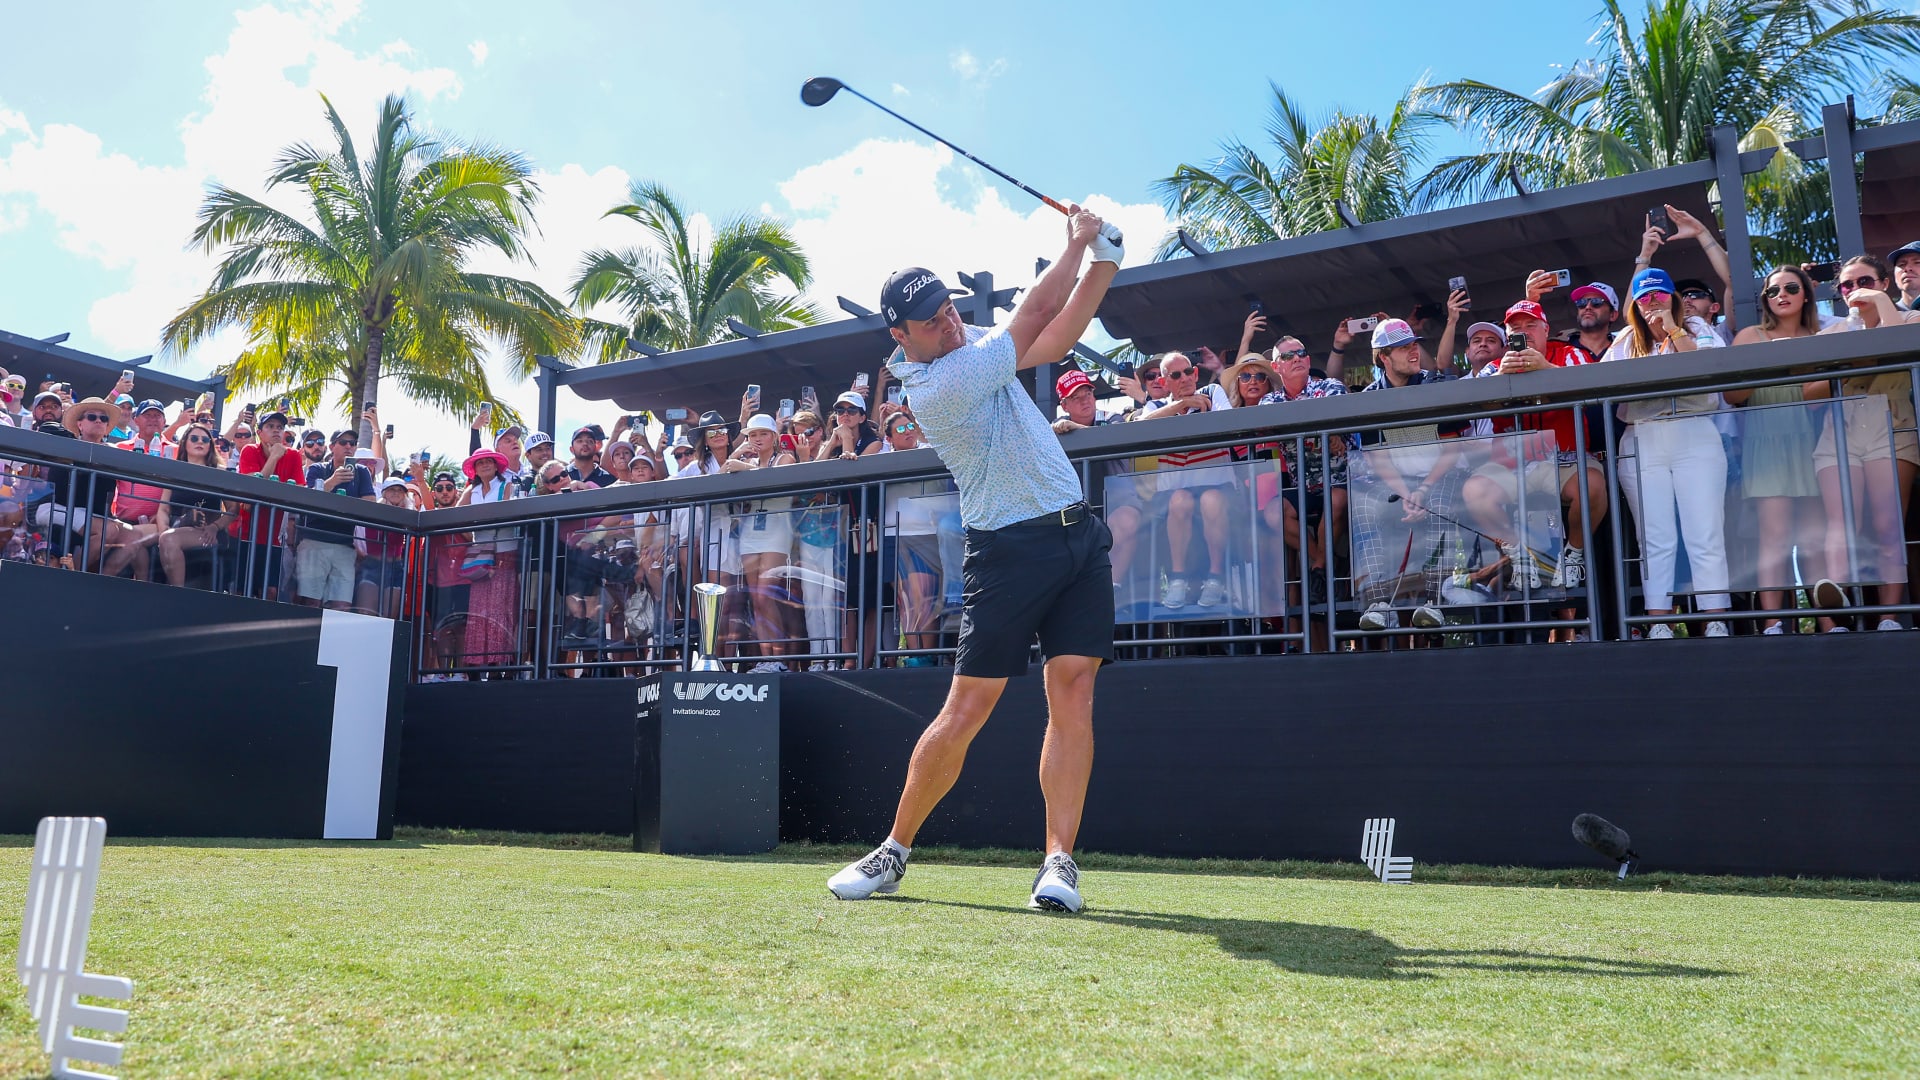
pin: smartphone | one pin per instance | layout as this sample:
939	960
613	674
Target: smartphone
127	374
1516	341
1658	218
286	404
786	408
788	444
1562	278
1458	285
642	419
252	407
1257	307
753	396
861	381
1826	271
1361	326
893	395
676	416
389	431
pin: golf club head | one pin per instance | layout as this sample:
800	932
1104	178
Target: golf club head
820	90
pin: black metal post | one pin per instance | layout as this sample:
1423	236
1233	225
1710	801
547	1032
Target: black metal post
547	380
1843	180
1744	290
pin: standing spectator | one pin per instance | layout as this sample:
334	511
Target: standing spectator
1248	382
1677	480
852	436
383	559
765	528
1596	307
1777	446
586	470
903	433
1307	494
1906	278
137	505
619	462
1882	451
685	458
449	590
538	451
190	521
1685	227
325	560
13	400
1180	380
491	568
259	535
1415	468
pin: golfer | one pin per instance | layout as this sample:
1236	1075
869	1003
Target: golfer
1036	562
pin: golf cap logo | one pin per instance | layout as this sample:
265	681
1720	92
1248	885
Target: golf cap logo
913	287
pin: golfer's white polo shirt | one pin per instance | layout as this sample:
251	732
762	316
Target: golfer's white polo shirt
990	435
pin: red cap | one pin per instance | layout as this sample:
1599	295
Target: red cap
1069	382
1527	308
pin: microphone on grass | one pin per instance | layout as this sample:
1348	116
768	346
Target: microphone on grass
1606	838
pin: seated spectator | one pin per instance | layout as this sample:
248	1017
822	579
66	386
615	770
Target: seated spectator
189	520
618	461
383	559
852	436
47	408
805	429
1121	508
1248	382
1777	448
683	456
1596	307
325	572
1492	495
902	433
1688	227
13	399
1882	452
1181	390
1906	277
82	502
1415	468
1674	467
137	505
1306	496
538	450
270	457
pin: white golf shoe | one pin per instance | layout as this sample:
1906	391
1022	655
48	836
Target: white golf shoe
1057	886
879	872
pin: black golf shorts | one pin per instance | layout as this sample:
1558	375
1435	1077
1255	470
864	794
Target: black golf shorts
1050	581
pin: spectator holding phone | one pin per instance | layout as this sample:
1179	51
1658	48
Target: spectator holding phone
1666	224
1677	480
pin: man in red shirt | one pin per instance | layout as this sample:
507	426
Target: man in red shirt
1547	463
138	505
258	571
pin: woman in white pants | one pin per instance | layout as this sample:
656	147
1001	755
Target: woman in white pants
1673	468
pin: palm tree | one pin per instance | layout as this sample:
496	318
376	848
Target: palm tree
1657	90
678	294
1360	160
373	283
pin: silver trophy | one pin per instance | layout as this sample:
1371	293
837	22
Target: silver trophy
706	604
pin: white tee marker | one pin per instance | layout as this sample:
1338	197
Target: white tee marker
53	947
1376	850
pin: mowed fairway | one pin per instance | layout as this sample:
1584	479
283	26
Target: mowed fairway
440	956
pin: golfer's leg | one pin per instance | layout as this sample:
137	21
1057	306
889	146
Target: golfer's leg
942	749
1066	756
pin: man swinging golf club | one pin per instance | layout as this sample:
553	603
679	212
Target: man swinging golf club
1036	556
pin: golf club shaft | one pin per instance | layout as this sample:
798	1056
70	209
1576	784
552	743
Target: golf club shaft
956	149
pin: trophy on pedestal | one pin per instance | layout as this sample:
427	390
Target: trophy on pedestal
706	604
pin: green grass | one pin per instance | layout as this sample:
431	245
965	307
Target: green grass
450	954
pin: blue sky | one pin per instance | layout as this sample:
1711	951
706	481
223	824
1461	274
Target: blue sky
112	117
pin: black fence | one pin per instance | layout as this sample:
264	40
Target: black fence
1699	519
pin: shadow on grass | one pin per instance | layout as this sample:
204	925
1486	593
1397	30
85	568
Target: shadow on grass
1343	952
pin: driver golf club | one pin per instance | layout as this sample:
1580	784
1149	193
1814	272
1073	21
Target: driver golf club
821	89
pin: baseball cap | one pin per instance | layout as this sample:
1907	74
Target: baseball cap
444	477
681	443
510	429
314	435
762	422
149	405
44	395
271	417
853	399
1526	308
393	482
1070	381
1497	331
594	430
538	438
914	293
1684	284
1651	280
1910	249
1596	288
1392	332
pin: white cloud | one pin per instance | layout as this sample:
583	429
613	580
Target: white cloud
479	50
886	204
968	67
901	91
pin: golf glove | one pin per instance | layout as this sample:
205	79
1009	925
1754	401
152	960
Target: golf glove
1106	244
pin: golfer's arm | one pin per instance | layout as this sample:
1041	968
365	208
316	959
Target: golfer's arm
1046	299
1064	331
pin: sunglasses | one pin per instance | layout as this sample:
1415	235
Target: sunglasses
1791	288
346	442
1250	376
98	418
810	432
201	439
902	429
842	410
1152	376
1288	354
1657	296
1590	302
445	487
1180	374
558	479
243	434
683	453
1857	283
1696	294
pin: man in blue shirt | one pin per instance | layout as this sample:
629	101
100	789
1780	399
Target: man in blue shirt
1036	557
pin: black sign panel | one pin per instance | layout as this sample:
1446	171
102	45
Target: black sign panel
707	763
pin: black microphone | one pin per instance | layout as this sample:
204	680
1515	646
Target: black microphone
1606	838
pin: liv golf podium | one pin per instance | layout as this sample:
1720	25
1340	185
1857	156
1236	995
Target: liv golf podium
707	764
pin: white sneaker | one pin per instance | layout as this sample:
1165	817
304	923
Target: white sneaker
1426	617
1213	592
1175	594
1659	632
879	872
1774	630
1889	624
1572	570
1716	628
1379	616
1526	572
1841	630
1057	886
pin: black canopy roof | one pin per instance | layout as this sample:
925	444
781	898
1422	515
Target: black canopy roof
1309	283
36	361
